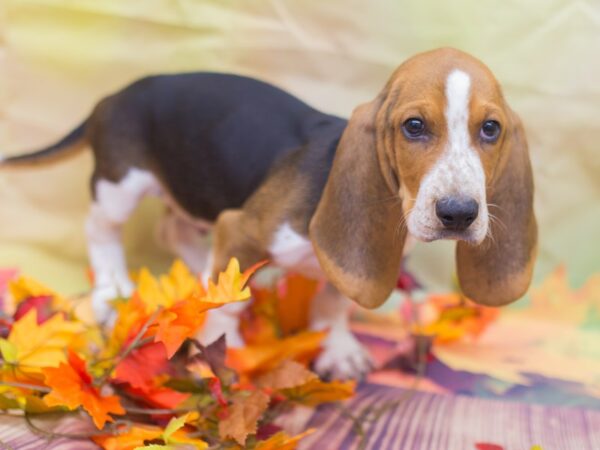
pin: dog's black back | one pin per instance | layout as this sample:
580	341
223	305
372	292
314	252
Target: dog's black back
211	138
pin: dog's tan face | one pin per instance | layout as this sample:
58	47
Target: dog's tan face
443	122
437	154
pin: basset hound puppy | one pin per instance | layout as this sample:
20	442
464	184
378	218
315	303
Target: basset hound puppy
438	154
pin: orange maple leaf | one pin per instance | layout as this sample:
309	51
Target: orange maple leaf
181	321
243	417
136	436
72	387
278	311
255	359
281	441
129	437
293	306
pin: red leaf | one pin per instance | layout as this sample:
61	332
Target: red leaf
160	396
42	304
142	365
488	446
215	388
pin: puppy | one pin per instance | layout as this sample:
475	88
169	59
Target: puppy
438	154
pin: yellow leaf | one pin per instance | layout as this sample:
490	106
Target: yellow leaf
244	415
177	285
150	291
8	350
173	435
42	345
231	285
316	392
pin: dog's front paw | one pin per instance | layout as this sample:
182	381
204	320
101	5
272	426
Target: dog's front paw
343	357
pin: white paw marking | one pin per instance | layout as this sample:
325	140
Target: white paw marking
343	357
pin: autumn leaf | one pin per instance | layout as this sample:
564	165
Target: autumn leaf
72	387
25	287
243	417
256	359
173	435
282	441
180	322
278	311
35	346
142	365
259	322
488	446
156	394
24	398
231	285
316	392
131	317
288	374
128	438
295	298
42	305
213	355
451	317
177	285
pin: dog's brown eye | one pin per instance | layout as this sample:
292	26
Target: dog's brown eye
413	128
490	130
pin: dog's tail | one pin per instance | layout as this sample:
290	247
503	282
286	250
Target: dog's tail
72	142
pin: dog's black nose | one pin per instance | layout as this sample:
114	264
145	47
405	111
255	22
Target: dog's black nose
456	213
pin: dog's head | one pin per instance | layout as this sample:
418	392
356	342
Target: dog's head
440	155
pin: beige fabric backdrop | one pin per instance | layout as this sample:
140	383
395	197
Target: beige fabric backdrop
58	57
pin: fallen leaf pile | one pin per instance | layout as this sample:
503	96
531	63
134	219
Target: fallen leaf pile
448	317
137	379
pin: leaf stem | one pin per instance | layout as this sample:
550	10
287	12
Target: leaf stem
33	387
137	341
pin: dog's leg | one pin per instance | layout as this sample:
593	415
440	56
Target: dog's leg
186	241
230	240
114	202
342	356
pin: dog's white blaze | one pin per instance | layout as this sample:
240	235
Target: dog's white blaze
458	171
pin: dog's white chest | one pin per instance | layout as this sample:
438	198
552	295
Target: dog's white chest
292	251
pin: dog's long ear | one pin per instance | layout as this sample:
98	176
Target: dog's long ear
356	229
498	271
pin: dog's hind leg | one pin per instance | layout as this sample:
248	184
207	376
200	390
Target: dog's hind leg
231	239
186	241
113	203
